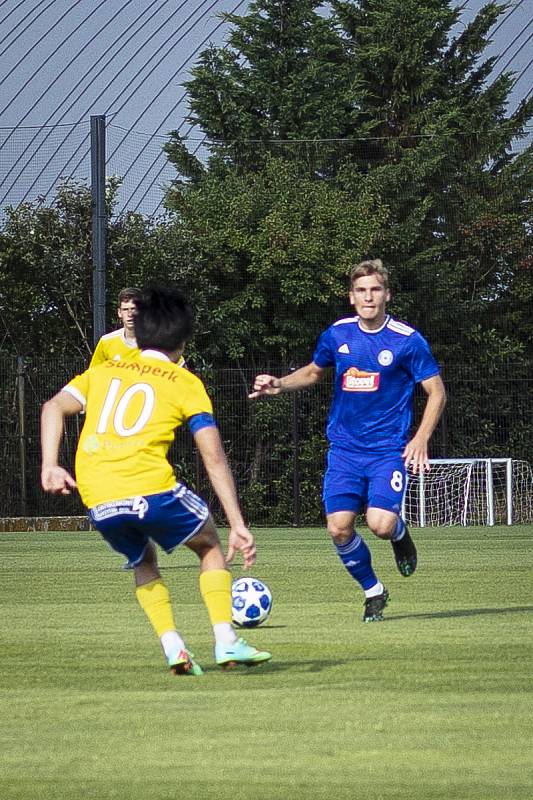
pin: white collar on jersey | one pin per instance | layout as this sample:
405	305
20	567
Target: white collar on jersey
377	330
127	342
155	354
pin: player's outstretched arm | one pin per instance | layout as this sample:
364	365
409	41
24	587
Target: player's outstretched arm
299	379
415	453
219	473
54	478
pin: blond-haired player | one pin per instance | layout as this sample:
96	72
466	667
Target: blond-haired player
377	362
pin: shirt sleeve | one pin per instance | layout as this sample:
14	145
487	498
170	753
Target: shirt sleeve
421	361
99	355
196	401
324	354
78	387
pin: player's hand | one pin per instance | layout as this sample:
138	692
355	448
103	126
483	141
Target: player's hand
265	384
241	539
415	455
57	480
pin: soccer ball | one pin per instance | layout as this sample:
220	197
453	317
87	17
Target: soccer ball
251	602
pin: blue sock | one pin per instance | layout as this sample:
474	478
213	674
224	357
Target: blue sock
356	557
399	530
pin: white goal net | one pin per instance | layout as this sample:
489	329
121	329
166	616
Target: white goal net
470	491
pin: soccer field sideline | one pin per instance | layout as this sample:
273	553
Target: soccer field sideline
435	702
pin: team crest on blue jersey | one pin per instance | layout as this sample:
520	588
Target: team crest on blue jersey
357	380
385	358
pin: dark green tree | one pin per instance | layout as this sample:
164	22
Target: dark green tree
396	96
457	180
399	98
404	100
283	75
46	270
445	155
272	252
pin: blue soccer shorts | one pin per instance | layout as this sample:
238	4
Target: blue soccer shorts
169	519
354	481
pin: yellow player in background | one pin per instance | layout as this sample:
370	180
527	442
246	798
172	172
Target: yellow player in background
121	343
132	408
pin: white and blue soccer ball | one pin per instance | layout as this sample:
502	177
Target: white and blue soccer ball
251	602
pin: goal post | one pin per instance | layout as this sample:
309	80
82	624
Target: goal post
470	491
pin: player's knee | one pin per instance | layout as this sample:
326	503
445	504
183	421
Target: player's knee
340	533
382	523
205	541
147	569
383	529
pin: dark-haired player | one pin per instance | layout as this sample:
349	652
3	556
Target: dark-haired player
378	361
132	409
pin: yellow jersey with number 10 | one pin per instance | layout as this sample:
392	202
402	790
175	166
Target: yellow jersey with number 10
132	408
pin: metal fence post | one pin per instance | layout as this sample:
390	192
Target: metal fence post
99	224
21	402
444	433
296	518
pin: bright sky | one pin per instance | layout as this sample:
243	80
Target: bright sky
62	61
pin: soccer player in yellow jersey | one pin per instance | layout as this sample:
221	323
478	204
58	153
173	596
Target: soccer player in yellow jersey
121	343
132	408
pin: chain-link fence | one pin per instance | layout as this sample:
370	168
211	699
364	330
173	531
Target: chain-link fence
276	446
263	245
34	160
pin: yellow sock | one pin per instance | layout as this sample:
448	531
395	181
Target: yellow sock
215	587
154	599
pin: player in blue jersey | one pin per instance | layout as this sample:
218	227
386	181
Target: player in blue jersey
378	361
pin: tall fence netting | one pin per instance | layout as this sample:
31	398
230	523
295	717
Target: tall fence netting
276	446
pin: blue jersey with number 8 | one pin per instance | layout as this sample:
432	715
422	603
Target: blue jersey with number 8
375	377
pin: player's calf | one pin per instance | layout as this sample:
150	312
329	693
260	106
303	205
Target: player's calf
404	550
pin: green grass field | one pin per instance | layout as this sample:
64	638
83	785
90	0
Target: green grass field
434	702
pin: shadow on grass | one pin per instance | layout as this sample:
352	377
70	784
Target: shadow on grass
460	612
265	626
271	667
